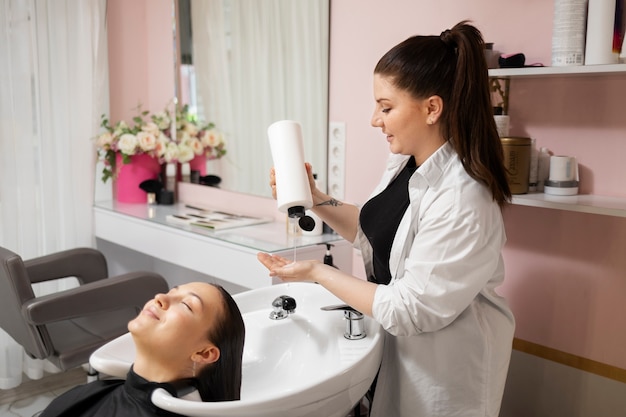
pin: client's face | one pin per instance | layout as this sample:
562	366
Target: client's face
175	325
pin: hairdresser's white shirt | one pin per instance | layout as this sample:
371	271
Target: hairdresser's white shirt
448	341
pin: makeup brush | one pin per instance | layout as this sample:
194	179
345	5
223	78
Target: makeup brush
152	188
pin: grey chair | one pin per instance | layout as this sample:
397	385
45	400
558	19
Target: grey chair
68	326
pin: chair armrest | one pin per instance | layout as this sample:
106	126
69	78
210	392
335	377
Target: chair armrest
129	290
86	264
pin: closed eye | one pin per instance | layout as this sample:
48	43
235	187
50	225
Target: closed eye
186	305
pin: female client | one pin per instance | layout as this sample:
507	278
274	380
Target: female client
191	336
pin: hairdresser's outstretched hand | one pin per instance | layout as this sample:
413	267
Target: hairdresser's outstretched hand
309	171
287	270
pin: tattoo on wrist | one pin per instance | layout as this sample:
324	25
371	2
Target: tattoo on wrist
331	202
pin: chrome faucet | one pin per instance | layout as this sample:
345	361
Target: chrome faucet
355	326
282	307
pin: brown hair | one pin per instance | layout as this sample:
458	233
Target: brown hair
453	67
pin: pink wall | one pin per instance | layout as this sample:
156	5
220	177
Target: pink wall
141	51
566	272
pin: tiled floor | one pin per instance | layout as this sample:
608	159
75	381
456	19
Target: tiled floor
31	397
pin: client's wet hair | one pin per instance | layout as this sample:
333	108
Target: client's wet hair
221	380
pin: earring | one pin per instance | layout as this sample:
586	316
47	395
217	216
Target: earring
429	121
193	371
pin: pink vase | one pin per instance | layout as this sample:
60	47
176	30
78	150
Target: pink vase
126	185
198	163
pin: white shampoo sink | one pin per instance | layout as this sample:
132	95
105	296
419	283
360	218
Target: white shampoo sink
298	366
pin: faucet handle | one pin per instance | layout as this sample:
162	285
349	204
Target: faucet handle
342	307
285	302
282	306
354	321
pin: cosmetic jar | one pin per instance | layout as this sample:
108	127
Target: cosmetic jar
517	162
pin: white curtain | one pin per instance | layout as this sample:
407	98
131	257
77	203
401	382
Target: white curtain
259	58
54	84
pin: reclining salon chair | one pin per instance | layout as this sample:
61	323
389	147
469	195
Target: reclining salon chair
66	327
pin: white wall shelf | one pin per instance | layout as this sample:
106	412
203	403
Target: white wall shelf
575	70
584	203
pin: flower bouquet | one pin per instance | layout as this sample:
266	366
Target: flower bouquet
132	154
125	141
194	138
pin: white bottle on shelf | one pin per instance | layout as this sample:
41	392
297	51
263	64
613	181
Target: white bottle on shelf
568	32
543	168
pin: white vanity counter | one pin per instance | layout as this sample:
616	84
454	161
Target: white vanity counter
228	254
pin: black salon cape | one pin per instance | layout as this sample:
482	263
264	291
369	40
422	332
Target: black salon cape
108	398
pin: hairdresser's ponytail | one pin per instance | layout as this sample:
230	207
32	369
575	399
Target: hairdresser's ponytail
469	120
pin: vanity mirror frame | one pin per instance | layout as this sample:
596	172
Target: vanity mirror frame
249	174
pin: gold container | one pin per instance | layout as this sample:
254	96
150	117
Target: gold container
517	162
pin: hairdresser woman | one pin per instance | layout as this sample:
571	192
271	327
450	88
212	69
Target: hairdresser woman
191	336
431	234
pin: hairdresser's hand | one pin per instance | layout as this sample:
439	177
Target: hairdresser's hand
273	182
309	171
287	270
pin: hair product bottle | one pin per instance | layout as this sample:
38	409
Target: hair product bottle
568	33
293	193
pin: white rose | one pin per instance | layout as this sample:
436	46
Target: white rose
127	143
147	141
185	153
212	138
171	152
161	145
104	140
196	145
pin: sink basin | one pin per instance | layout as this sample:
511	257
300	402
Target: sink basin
299	366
